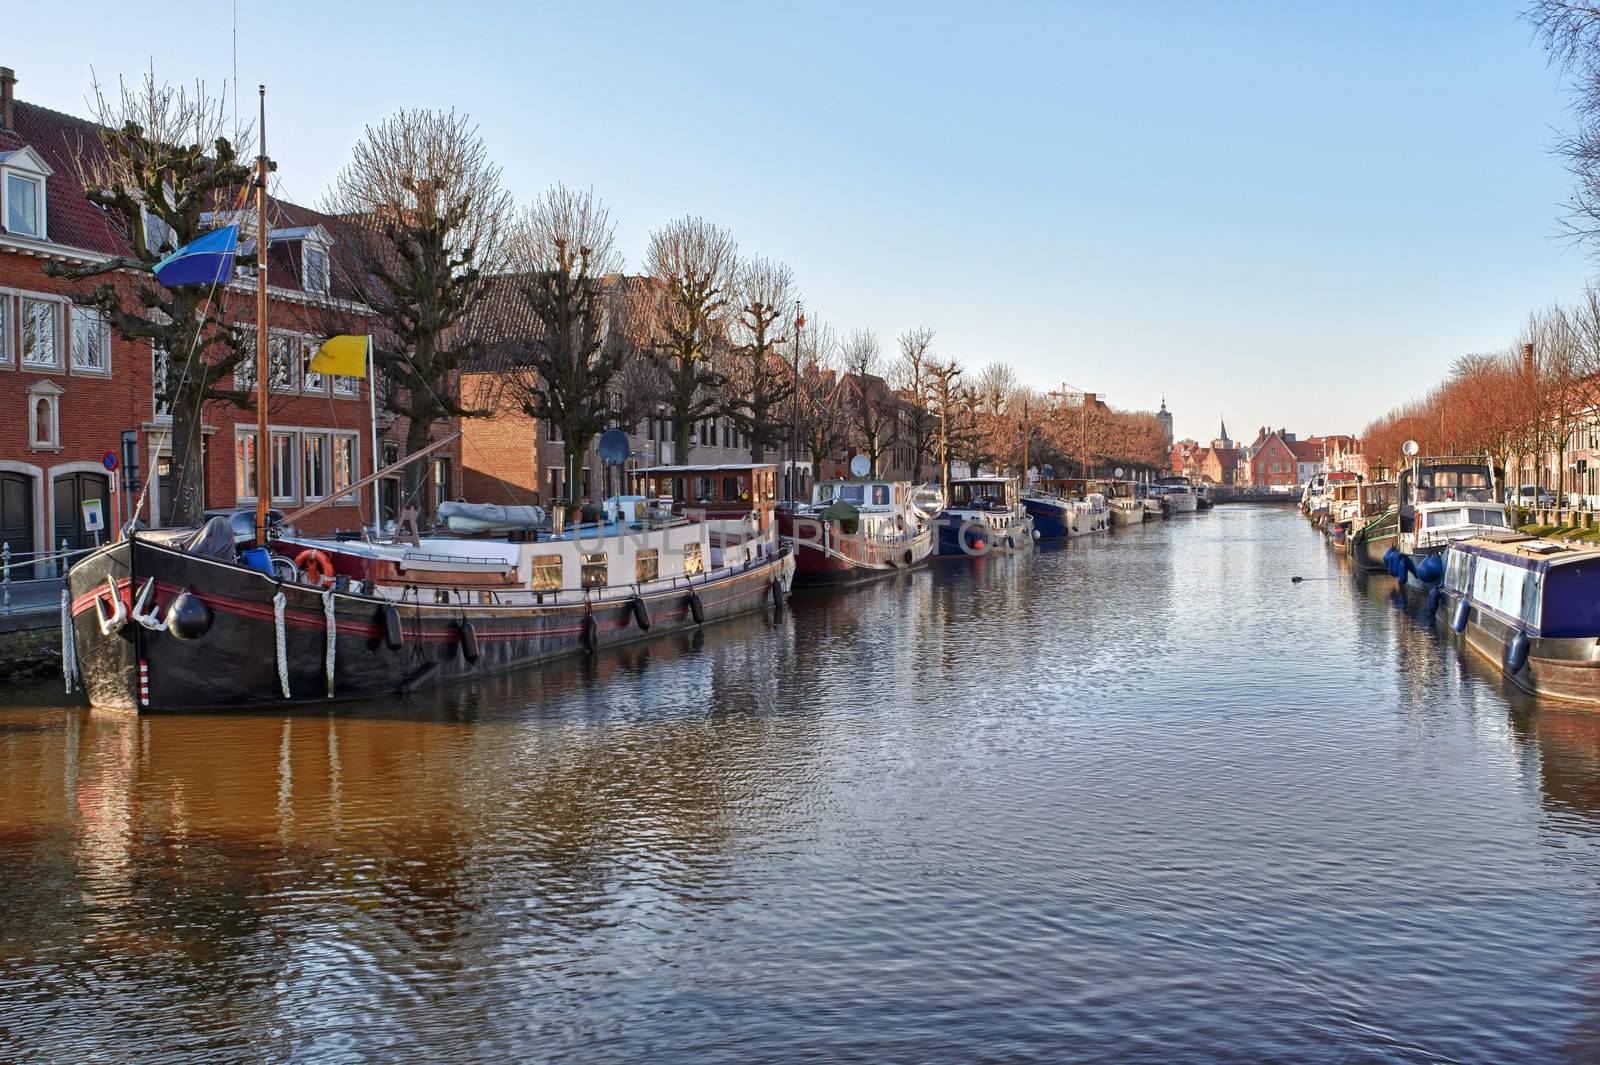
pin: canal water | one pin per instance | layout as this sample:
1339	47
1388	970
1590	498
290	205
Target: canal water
1137	799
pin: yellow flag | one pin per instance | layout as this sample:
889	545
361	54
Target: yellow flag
345	356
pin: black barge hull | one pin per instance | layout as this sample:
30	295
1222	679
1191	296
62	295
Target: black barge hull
235	662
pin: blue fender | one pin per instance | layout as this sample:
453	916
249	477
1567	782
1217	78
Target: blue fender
1430	570
1517	653
1432	605
1458	623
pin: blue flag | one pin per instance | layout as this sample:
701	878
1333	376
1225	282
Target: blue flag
207	260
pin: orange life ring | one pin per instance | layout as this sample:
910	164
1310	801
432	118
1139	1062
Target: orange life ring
314	566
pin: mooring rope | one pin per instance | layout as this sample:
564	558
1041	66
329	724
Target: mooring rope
279	601
333	634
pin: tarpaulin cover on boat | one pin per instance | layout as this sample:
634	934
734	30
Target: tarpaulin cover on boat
214	539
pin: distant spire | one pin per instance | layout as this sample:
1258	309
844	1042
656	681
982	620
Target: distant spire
1163	403
1224	421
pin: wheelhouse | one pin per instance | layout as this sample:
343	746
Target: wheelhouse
984	493
720	492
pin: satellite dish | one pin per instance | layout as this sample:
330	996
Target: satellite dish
1118	472
1410	448
860	466
614	447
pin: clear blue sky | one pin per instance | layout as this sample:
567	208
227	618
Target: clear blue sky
1294	214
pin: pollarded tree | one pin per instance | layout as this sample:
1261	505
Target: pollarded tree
760	377
423	224
562	256
944	394
162	165
694	265
872	407
911	377
823	425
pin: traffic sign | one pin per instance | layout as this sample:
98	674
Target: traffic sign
109	460
94	518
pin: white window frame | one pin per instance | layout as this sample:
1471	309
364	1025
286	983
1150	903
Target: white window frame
293	361
74	315
335	437
56	304
308	438
156	379
308	351
240	434
8	319
26	165
346	387
244	371
306	248
276	433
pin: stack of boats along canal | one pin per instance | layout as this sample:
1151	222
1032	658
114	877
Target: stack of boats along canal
983	514
1064	507
1351	501
1531	606
860	529
1178	492
1440	500
181	620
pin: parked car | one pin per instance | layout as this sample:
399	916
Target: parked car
1545	498
243	520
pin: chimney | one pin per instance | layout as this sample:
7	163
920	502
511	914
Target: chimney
1527	349
8	95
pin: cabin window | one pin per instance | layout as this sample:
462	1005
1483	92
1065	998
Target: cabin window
594	570
733	488
1457	570
647	566
694	562
1485	516
546	573
880	495
853	493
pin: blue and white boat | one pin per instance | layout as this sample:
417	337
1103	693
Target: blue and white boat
982	515
1531	606
1065	507
1442	501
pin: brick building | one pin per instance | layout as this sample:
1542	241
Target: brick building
72	391
1270	461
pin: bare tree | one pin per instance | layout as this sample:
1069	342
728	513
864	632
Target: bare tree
423	222
695	264
910	376
161	164
824	428
760	380
872	407
943	398
563	257
1571	35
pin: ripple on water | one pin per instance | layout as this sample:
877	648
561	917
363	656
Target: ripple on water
1133	799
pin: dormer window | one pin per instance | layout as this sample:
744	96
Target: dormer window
22	193
23	202
316	268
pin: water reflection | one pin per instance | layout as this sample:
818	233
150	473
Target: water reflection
1134	798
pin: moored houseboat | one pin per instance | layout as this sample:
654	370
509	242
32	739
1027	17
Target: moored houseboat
1063	507
1122	501
1532	607
185	621
1439	501
1179	494
983	514
859	530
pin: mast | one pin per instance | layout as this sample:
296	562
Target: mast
263	356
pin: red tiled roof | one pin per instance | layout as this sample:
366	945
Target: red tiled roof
63	141
60	140
1305	450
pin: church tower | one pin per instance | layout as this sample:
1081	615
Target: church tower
1165	417
1222	443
